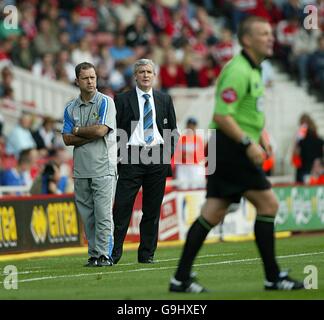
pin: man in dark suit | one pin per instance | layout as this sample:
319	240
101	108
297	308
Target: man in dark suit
148	134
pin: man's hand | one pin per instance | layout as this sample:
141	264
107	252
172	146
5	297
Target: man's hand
268	150
255	154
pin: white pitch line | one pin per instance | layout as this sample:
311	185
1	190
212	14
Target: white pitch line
128	264
164	268
175	259
27	272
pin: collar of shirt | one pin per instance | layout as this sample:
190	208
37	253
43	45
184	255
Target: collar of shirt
251	62
141	92
137	137
80	102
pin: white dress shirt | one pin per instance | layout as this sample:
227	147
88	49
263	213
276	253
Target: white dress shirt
137	138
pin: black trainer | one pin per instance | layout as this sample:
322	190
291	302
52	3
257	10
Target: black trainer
92	262
115	259
105	261
189	286
284	283
148	260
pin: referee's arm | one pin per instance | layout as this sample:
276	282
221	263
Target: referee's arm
229	127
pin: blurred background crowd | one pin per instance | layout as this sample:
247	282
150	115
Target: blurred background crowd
190	41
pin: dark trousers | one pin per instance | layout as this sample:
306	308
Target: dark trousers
152	178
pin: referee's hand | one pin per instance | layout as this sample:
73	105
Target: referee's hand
255	153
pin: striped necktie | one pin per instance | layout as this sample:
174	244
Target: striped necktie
148	120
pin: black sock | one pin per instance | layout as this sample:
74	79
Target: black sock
195	238
264	237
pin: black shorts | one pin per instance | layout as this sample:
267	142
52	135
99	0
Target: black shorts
235	173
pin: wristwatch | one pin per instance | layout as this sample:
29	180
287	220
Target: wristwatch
245	142
76	130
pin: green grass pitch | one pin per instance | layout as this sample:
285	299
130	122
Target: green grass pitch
232	270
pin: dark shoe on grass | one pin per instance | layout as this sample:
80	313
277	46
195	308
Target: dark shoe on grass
284	283
105	261
92	262
189	286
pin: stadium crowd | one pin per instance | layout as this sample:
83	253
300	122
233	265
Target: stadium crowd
190	41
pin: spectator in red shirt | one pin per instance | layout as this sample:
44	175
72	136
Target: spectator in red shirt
259	10
223	50
317	173
209	73
243	8
240	10
160	17
273	11
88	15
171	73
5	49
200	46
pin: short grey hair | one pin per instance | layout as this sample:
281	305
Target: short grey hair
144	62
